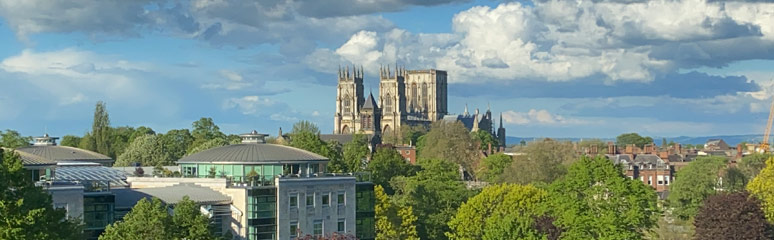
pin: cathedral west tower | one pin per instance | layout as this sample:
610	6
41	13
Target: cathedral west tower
349	100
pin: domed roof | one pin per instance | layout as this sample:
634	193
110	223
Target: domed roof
252	153
65	154
30	159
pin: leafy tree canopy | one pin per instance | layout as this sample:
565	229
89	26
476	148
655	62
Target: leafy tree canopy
732	216
434	193
393	221
12	139
506	211
762	187
150	220
26	211
305	126
100	129
632	138
484	139
70	141
386	164
596	201
493	166
693	184
354	154
543	161
752	164
147	150
451	142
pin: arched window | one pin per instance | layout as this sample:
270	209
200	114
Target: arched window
413	94
347	104
424	96
345	129
388	103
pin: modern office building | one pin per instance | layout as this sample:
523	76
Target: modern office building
275	191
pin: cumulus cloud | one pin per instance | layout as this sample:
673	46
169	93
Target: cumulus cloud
537	116
561	41
249	105
72	75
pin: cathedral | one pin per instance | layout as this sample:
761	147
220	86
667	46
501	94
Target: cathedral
406	97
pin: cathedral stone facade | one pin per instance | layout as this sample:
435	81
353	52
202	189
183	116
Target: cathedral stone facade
411	97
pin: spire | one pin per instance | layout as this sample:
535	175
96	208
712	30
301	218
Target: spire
361	71
347	74
466	110
501	120
487	107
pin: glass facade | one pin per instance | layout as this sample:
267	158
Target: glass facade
97	213
261	213
364	211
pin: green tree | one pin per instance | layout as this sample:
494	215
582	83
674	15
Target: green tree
693	184
450	142
204	131
632	138
12	139
386	228
542	161
386	164
485	138
762	187
596	201
87	142
151	220
434	193
26	211
147	150
506	211
176	142
589	143
354	153
752	164
70	141
408	228
732	216
734	180
100	129
189	221
212	143
120	138
305	126
410	134
141	131
493	166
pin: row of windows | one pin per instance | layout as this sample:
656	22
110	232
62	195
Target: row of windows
660	180
325	199
318	228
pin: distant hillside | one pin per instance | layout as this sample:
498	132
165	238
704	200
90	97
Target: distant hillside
730	139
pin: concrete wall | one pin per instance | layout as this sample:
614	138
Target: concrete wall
305	215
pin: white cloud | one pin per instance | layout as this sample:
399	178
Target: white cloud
231	80
571	40
249	105
72	75
537	116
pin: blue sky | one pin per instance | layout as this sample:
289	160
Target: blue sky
553	68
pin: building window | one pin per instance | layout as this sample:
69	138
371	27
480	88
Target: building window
62	206
650	180
326	199
388	104
340	199
310	199
340	225
293	229
660	179
346	104
318	227
293	201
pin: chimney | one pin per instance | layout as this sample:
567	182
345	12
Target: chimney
490	148
739	152
611	148
678	149
629	149
594	150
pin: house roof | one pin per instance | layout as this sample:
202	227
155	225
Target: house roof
252	153
467	120
369	102
65	154
31	159
171	195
